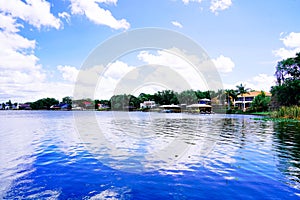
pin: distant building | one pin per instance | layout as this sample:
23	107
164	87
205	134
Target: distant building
203	106
88	105
61	106
103	106
244	101
24	106
204	101
170	108
148	104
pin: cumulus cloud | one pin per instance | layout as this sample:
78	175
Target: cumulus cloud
291	44
16	51
9	24
292	40
109	82
65	15
69	73
92	10
187	72
99	82
177	24
117	70
223	64
35	12
259	82
22	78
219	5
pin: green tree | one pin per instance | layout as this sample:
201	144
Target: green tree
241	90
166	97
288	69
202	95
44	103
231	95
9	103
145	97
124	102
104	102
261	102
286	92
187	97
67	100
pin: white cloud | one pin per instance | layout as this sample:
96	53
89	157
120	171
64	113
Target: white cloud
187	72
105	80
9	24
21	77
16	51
292	40
109	80
292	46
35	12
69	73
117	70
98	15
223	64
215	5
259	82
219	5
284	53
65	16
188	1
177	24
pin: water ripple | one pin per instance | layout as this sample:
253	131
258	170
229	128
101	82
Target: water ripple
147	156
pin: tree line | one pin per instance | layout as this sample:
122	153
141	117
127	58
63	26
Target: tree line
286	92
165	97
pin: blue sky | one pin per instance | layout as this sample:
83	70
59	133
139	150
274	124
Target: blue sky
44	43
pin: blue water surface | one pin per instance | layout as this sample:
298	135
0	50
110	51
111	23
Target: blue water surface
46	155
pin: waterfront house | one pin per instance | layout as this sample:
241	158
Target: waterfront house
199	108
204	101
61	106
88	105
170	108
244	101
203	106
25	106
148	104
102	106
7	107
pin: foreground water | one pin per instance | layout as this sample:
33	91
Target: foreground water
113	155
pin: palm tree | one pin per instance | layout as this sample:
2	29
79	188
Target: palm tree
241	90
231	96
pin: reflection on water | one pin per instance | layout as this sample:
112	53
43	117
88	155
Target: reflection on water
288	150
119	155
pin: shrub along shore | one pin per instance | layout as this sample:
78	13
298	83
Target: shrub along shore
292	112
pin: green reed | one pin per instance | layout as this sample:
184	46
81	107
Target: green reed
292	112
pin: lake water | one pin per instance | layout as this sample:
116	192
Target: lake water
120	155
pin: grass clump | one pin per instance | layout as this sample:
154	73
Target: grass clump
292	112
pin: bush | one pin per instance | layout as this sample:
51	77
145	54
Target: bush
292	112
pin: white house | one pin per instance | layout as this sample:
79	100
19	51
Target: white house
244	101
148	104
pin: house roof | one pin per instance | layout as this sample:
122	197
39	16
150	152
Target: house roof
199	106
254	94
169	106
